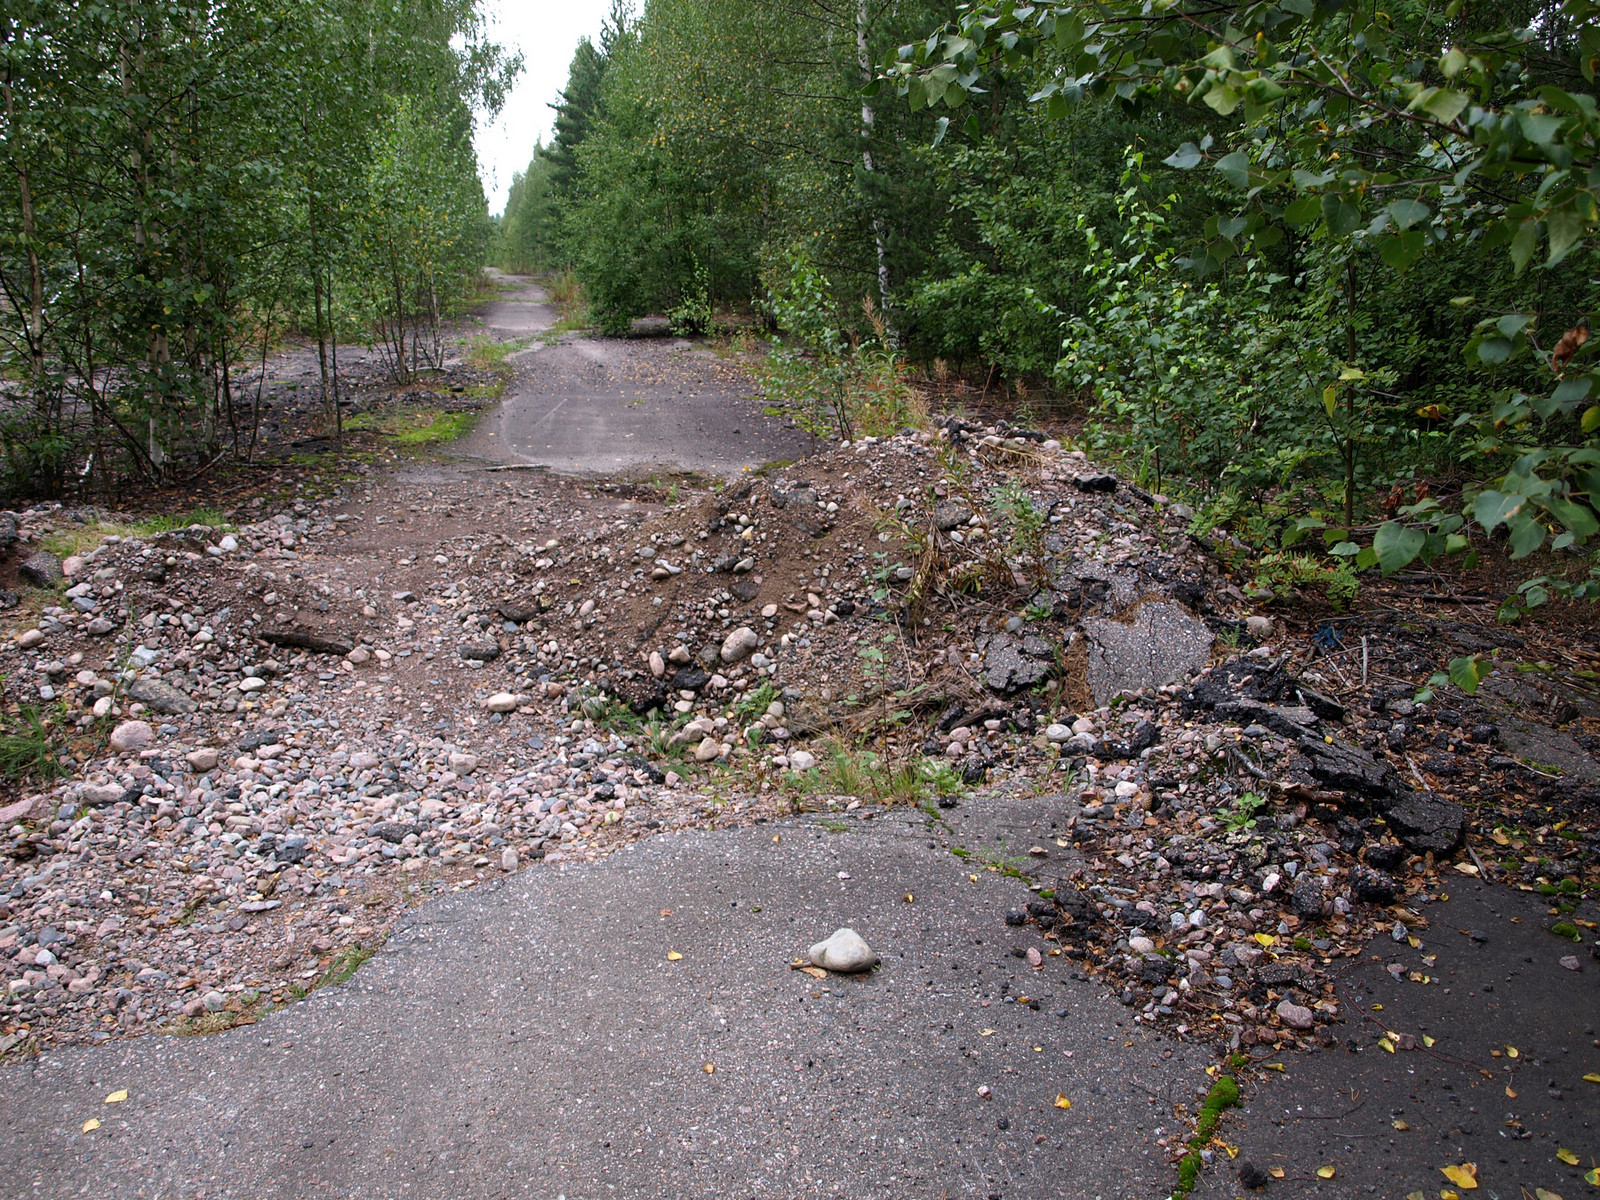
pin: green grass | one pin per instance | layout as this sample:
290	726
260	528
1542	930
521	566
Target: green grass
29	750
486	352
414	426
79	539
862	774
344	965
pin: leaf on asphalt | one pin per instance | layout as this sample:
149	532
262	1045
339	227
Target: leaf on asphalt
1273	1066
1400	1124
1386	1044
1464	1176
814	972
1567	1156
91	1124
1326	1172
673	956
1592	1177
708	1069
910	899
117	1097
987	1032
1062	1101
972	879
1511	1051
1428	1041
1510	1094
1276	1172
1545	1194
1592	1077
1415	1196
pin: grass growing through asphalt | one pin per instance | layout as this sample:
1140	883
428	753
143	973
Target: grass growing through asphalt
487	353
842	771
415	426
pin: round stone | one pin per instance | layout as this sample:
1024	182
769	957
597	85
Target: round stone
131	736
846	951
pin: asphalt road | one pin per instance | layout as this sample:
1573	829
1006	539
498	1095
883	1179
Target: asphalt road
622	407
531	1037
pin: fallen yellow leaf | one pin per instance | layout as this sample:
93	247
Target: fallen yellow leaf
972	878
1062	1101
117	1097
1545	1194
1500	837
1511	1051
1325	1172
1275	1172
673	956
1591	1077
1386	1044
1464	1176
1447	1194
1510	1094
1377	1008
777	837
910	899
1427	1041
1592	1178
1568	1157
1400	1124
1273	1066
1466	868
987	1032
1266	939
91	1124
814	972
708	1068
1415	942
1415	1196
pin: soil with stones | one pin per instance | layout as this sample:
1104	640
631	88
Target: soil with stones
292	729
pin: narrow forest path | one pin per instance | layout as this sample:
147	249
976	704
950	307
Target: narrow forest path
612	406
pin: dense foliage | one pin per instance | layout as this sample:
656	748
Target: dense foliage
185	179
1310	262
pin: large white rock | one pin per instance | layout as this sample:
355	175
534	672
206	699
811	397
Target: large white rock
131	736
740	644
504	702
845	951
801	760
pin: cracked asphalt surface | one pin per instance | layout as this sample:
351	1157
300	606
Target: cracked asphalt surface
531	1037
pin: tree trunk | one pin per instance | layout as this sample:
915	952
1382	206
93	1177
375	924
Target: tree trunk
868	120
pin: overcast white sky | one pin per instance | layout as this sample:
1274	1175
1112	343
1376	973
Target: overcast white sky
546	31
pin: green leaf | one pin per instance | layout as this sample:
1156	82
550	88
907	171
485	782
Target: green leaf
1185	157
1235	168
1452	62
1345	550
1491	508
1441	104
1221	98
1576	388
1527	535
1303	211
1493	350
1407	213
1591	418
1396	545
1367	559
1538	129
1399	251
1342	216
1513	323
1579	518
1468	673
1565	228
1524	244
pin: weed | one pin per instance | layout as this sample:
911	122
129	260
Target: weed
344	965
29	749
487	353
862	774
1242	815
80	539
